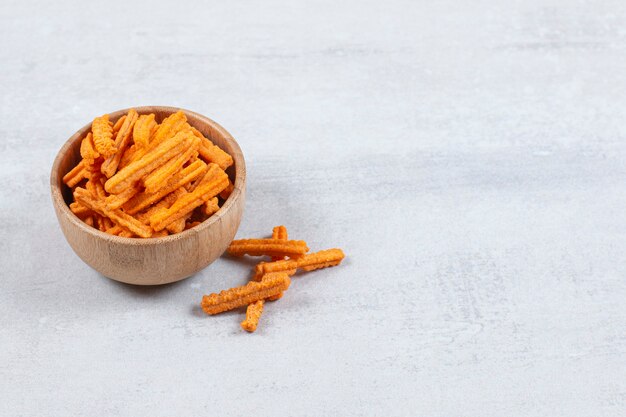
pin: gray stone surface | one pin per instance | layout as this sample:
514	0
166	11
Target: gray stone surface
469	156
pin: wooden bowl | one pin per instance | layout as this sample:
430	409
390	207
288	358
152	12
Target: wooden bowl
159	260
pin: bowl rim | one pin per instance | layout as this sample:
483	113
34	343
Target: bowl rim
239	185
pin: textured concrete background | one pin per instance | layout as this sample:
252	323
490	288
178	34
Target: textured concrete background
469	156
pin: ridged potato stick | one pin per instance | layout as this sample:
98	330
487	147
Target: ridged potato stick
253	314
103	136
268	247
186	175
247	294
122	141
150	161
119	217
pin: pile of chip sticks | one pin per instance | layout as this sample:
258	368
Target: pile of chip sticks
139	178
270	279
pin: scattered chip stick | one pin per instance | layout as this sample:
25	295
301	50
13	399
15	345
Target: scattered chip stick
321	259
103	136
253	314
268	247
287	266
241	296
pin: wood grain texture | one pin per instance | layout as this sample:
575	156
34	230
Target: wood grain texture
152	261
469	157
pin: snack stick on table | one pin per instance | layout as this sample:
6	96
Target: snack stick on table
151	160
321	259
253	314
186	175
118	216
122	140
279	232
103	136
287	266
214	181
159	177
241	296
268	247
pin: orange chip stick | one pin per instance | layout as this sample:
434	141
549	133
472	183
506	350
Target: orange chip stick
227	191
122	140
214	181
128	233
127	158
178	225
211	152
143	130
103	136
287	266
88	149
269	247
118	216
247	294
115	230
152	160
321	259
187	174
253	314
165	202
211	206
79	210
170	127
76	175
115	201
278	232
159	177
192	224
118	125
